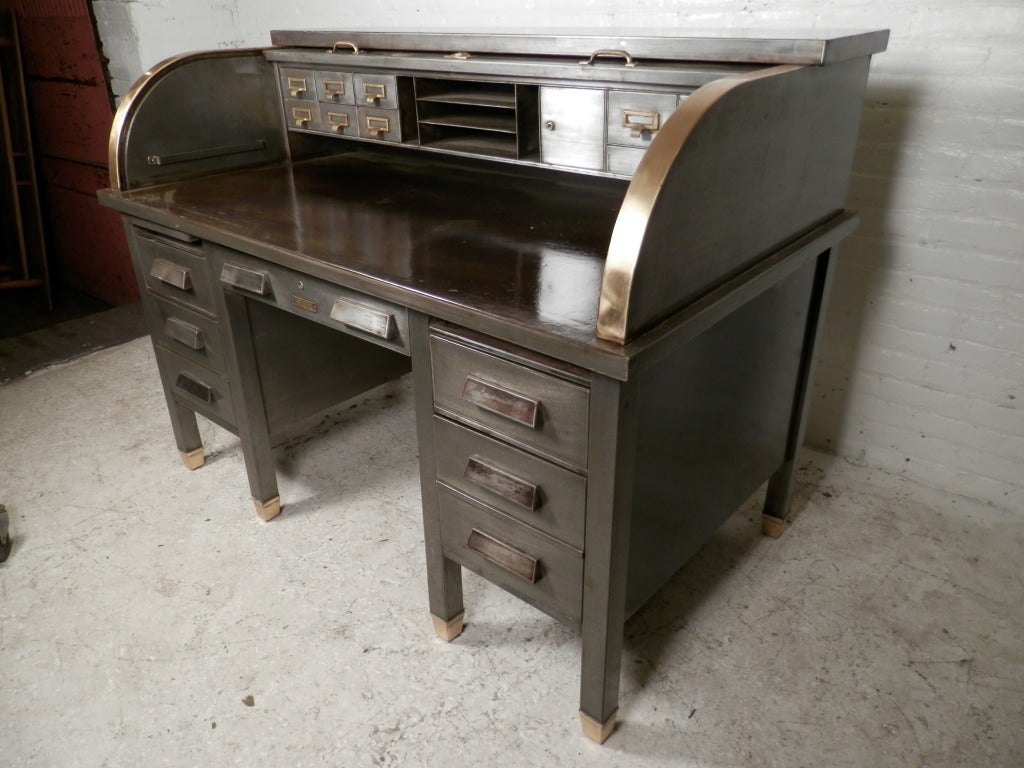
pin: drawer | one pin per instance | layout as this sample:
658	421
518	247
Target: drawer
189	333
340	119
530	489
375	90
302	114
335	87
195	385
526	407
174	269
634	117
534	567
298	84
624	160
572	127
380	124
357	314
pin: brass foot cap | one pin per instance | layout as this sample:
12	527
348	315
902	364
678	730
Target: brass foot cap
772	526
193	459
268	510
596	731
449	630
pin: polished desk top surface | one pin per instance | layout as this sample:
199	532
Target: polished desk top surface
520	251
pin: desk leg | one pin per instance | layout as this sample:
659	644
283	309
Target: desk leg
250	415
186	432
612	452
780	487
444	577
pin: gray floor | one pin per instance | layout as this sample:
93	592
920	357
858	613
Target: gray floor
147	617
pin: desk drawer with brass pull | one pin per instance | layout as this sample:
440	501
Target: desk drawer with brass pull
379	124
526	487
373	90
189	333
303	114
366	317
335	87
204	390
542	570
523	406
635	117
299	84
339	119
176	270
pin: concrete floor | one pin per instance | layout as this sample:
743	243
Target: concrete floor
148	618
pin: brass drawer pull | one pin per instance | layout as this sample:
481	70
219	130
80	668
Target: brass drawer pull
337	120
606	52
297	86
639	121
340	43
374	92
502	402
174	275
360	317
504	556
248	280
508	486
377	125
194	387
334	89
302	117
184	333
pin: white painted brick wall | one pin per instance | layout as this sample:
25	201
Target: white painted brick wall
922	366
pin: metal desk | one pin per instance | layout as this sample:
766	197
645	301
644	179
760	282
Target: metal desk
610	329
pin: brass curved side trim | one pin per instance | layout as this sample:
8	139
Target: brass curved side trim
134	96
628	235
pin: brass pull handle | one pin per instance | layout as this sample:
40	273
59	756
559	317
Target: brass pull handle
360	317
338	121
184	333
302	116
607	52
374	92
505	556
297	86
344	43
504	484
377	125
171	274
502	402
639	121
195	387
334	89
248	280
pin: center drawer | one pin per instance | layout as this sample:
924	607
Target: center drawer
520	405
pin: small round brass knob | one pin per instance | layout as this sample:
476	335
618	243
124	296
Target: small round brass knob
550	125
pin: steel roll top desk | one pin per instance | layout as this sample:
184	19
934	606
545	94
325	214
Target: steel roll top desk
603	257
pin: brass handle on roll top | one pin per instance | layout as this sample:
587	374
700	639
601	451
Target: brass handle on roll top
334	48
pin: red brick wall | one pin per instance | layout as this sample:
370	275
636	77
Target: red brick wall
71	113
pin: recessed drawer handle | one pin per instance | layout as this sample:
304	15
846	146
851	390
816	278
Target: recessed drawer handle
504	556
194	387
248	280
360	317
174	275
184	333
508	486
502	402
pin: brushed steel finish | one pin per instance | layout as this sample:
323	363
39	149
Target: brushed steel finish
174	270
196	386
339	119
375	90
557	504
573	121
335	87
558	587
504	556
727	45
624	160
560	428
361	317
